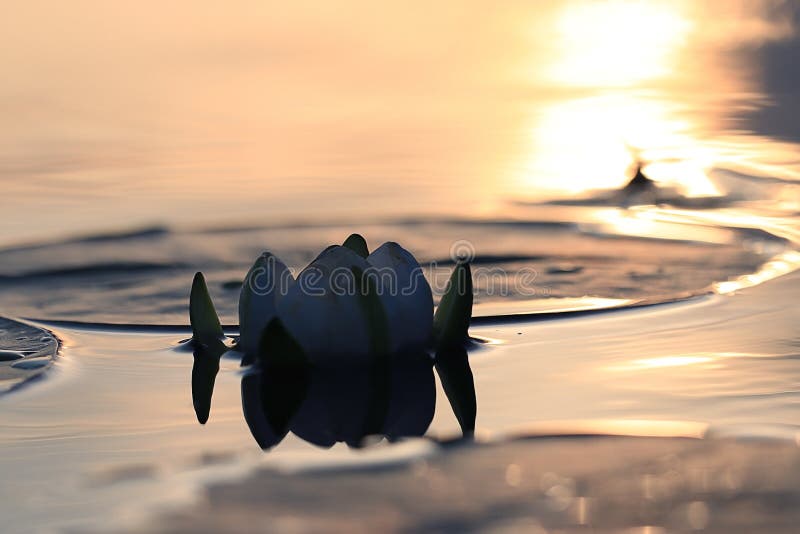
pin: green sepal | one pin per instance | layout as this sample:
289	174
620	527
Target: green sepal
205	323
357	244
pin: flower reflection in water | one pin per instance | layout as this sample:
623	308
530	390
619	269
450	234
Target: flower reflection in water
392	397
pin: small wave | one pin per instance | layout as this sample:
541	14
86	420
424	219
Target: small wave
396	222
92	270
28	352
149	232
616	305
609	427
492	259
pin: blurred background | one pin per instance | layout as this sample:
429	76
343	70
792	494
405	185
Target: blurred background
118	115
144	141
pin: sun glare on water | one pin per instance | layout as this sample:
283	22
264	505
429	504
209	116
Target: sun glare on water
618	43
623	51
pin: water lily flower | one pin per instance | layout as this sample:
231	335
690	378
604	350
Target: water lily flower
326	309
349	311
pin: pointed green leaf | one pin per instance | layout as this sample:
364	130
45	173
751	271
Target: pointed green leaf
357	244
205	323
452	366
452	317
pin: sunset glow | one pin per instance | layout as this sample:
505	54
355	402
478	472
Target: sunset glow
622	49
618	43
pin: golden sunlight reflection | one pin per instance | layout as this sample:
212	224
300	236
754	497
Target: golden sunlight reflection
618	43
587	143
545	305
391	109
780	226
641	222
780	265
665	361
706	360
638	72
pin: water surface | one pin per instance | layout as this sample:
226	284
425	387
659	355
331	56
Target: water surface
118	117
143	144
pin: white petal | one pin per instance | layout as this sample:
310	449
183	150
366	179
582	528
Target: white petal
267	281
405	294
324	312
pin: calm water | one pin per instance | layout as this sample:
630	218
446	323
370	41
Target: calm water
144	143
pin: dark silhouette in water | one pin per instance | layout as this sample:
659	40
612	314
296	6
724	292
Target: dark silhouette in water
204	374
454	371
639	183
641	190
347	404
275	386
324	405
